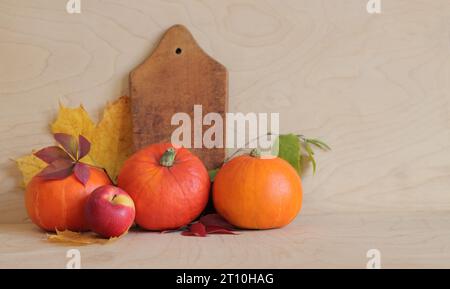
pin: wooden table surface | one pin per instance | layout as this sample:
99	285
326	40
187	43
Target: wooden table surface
326	241
374	86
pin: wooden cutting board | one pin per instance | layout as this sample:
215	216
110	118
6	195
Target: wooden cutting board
177	76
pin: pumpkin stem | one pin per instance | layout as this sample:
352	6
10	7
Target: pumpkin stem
256	153
168	157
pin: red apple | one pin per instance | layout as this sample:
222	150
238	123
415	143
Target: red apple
109	211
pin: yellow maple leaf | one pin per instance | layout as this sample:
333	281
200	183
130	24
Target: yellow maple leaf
111	140
74	238
75	121
29	165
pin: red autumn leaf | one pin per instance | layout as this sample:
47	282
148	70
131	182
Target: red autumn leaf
57	170
187	233
68	142
197	229
51	154
218	230
217	221
84	146
210	224
82	172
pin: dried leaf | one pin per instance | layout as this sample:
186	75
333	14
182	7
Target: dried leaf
58	169
73	238
209	224
82	172
111	140
51	154
84	146
112	143
196	229
215	220
73	121
30	165
68	142
218	230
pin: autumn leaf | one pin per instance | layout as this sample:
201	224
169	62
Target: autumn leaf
209	224
215	220
51	154
110	140
218	230
68	143
74	122
58	169
84	146
74	238
196	229
30	165
82	173
64	160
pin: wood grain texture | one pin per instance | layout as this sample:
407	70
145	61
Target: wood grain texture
326	241
375	87
177	76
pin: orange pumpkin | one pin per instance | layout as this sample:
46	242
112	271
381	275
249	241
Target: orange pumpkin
257	193
169	187
59	204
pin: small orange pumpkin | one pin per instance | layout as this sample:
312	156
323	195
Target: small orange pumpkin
257	193
59	204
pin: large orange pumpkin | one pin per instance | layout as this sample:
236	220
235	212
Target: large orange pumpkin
59	204
257	193
170	187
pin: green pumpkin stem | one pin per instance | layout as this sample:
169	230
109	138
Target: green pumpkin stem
168	158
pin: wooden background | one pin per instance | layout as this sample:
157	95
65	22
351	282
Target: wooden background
375	87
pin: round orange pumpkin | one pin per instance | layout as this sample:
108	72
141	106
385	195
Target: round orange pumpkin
59	204
170	187
257	193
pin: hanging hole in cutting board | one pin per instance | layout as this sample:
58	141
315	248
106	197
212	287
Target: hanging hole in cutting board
178	51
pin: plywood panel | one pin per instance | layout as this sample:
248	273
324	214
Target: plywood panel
326	241
376	87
